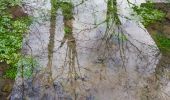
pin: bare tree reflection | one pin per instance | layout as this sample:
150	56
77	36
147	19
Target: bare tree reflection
118	65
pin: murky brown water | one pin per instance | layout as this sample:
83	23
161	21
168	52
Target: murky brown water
92	60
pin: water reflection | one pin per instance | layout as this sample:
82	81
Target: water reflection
87	53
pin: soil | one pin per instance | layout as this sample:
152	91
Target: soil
5	83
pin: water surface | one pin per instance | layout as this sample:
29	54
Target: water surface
91	60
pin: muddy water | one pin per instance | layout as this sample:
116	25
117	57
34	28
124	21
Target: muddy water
81	56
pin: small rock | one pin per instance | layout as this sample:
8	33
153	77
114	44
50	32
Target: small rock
168	15
1	73
166	31
1	94
17	12
7	88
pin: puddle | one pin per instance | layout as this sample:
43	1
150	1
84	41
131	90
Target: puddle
83	56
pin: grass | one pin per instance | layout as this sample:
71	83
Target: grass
162	42
11	36
148	14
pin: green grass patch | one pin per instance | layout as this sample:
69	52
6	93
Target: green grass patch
148	14
162	42
11	36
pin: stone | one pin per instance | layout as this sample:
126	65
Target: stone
168	15
17	12
166	31
7	88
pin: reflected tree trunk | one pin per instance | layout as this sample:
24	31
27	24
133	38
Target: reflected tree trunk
51	43
71	43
